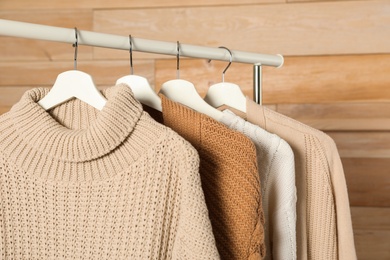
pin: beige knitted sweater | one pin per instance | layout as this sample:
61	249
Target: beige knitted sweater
324	226
230	180
76	183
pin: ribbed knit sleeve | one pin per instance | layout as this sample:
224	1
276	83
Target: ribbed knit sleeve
345	238
324	228
194	239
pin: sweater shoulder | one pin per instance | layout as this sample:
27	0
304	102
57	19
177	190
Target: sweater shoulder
323	140
225	137
179	147
6	129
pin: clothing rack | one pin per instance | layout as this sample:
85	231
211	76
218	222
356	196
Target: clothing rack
66	35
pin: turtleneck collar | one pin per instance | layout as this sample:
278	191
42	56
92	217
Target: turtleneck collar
112	125
47	144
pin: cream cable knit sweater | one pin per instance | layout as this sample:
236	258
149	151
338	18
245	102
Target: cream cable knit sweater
275	161
76	183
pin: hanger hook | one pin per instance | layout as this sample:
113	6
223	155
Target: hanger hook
230	62
131	55
178	60
75	45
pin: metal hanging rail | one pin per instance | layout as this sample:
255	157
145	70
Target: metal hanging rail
66	35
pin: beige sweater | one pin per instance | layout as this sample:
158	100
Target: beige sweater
230	180
76	183
324	228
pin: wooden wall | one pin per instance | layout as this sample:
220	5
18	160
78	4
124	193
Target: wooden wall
336	75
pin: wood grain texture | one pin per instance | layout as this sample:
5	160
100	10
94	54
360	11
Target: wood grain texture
10	95
301	1
341	116
368	181
372	232
310	79
372	244
102	4
362	144
370	218
325	79
45	73
294	29
4	109
19	49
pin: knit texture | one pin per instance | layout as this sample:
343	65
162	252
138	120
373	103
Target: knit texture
324	226
229	177
77	183
275	161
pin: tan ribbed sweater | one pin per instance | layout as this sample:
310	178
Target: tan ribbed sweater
324	228
230	180
76	183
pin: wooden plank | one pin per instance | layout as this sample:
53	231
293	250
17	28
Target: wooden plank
325	79
339	124
340	116
300	1
48	4
4	110
44	73
372	232
312	79
372	244
368	181
370	218
11	95
362	144
19	49
296	29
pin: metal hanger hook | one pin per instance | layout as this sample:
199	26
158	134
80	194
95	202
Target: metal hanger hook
75	45
131	55
230	62
178	61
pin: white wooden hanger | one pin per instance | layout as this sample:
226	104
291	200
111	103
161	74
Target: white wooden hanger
73	83
184	92
225	93
143	92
